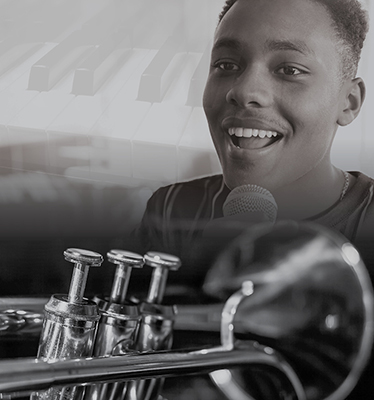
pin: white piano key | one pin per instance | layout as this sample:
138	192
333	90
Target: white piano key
197	83
14	96
78	117
12	100
196	153
155	144
65	151
28	128
114	153
119	122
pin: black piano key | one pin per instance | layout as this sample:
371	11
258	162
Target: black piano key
16	54
22	68
113	50
63	58
102	63
155	80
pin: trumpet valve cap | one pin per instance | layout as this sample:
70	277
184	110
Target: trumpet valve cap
83	260
126	258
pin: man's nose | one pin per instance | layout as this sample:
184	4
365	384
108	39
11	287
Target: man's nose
253	88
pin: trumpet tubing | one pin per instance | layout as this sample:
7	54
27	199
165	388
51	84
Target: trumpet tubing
298	322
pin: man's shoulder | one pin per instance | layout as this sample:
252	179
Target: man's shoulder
362	178
364	189
364	193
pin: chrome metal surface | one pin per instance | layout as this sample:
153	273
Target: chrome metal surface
125	261
157	322
68	329
82	259
29	374
307	324
162	264
70	323
312	301
83	256
156	327
119	322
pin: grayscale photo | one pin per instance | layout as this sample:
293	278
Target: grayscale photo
186	200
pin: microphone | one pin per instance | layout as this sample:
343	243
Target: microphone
248	208
245	206
251	199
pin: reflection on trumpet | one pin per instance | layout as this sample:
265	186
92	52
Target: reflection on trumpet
298	324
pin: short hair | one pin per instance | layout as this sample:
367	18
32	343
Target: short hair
350	23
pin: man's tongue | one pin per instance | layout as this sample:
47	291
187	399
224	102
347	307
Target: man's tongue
254	142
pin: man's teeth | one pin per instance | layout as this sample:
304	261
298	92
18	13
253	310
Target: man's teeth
247	133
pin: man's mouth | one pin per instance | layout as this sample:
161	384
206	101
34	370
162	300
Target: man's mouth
251	139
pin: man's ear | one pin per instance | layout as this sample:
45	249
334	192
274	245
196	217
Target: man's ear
354	96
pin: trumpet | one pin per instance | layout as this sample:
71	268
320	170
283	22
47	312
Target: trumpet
297	324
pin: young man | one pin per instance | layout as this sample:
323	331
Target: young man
282	80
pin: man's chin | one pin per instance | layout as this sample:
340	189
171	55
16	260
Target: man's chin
233	181
269	182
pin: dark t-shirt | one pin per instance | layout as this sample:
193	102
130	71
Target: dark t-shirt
177	215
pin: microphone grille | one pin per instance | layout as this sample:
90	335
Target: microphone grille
250	198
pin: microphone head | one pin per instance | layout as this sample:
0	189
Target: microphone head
251	198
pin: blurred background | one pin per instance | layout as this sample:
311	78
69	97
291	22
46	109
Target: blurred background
100	104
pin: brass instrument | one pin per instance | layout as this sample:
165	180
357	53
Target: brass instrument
298	326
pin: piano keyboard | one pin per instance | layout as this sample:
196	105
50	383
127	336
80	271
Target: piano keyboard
111	91
106	90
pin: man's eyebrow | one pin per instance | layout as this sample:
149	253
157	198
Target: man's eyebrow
228	42
288	45
270	45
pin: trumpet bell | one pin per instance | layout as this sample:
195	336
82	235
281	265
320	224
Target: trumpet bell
312	302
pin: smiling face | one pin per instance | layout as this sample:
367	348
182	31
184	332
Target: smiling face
273	95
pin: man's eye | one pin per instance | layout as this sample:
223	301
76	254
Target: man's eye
227	66
290	71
